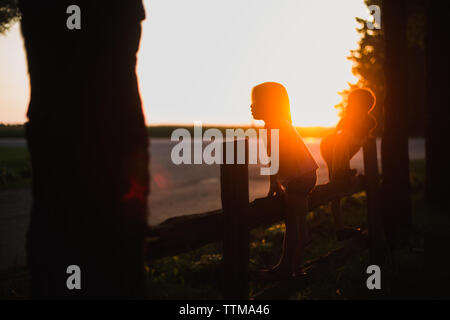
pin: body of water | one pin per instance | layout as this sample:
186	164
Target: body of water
184	189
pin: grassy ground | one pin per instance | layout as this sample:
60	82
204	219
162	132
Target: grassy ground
12	131
421	263
15	167
194	275
422	272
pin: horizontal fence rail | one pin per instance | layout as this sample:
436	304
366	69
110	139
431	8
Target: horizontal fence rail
232	224
185	233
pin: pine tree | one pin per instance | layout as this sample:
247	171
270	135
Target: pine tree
9	14
368	61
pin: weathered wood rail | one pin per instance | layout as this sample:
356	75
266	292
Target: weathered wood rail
237	217
181	234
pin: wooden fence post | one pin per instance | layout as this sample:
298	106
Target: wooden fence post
235	204
375	224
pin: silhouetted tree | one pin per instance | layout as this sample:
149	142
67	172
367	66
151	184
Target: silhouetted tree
368	61
395	158
9	13
415	35
88	144
438	108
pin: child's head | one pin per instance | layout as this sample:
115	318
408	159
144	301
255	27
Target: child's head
360	101
270	102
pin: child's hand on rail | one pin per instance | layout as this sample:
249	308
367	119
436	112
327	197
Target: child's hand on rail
276	189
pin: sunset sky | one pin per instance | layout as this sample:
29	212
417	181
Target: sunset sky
199	59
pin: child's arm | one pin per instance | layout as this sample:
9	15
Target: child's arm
341	157
339	125
275	186
373	124
370	126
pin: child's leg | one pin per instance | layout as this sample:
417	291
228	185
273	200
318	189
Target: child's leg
291	240
301	211
340	165
338	215
337	152
341	158
296	236
329	152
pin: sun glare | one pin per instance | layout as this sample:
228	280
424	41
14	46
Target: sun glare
198	66
201	60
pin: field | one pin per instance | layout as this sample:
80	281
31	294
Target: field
15	168
165	131
421	271
195	275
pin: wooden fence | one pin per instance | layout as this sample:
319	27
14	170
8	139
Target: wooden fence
233	223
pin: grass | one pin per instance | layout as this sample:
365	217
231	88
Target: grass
12	131
15	167
422	266
195	275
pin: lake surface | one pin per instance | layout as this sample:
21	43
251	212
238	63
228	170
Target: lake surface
185	189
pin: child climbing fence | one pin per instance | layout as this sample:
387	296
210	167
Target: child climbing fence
233	223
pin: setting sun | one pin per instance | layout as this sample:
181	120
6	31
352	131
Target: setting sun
198	66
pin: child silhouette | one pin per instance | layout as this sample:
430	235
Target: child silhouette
338	148
295	179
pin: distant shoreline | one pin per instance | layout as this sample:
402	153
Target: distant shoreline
165	131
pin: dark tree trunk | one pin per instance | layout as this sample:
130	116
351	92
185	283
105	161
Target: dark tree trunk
88	144
395	159
438	108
